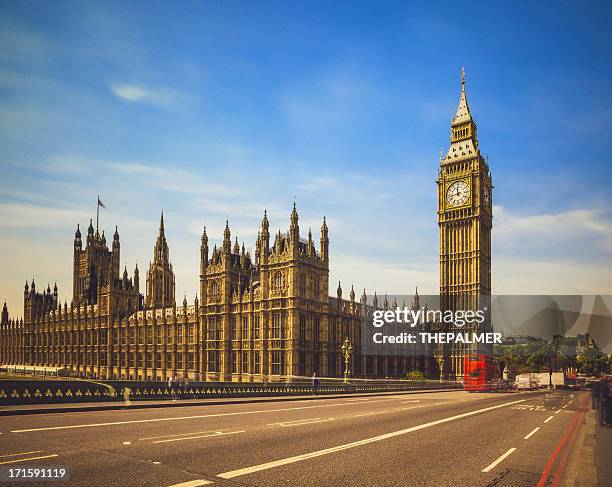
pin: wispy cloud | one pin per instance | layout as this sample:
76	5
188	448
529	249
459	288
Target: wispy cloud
172	178
133	93
552	276
562	226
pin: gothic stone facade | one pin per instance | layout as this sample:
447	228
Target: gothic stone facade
263	317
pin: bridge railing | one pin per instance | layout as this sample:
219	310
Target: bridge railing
66	391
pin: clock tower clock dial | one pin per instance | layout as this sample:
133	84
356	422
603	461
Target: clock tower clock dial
457	193
465	221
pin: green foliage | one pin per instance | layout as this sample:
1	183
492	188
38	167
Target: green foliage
593	362
534	357
415	375
539	357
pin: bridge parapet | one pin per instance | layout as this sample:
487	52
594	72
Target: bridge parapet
60	391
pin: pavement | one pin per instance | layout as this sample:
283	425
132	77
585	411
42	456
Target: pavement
450	438
603	454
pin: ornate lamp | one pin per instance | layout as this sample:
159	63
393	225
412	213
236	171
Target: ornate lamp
347	351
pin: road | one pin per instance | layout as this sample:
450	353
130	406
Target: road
442	439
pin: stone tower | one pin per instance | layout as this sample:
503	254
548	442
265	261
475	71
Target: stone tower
465	220
94	266
160	277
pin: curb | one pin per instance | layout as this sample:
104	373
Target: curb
198	402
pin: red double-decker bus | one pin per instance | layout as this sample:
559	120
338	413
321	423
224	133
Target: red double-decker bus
481	373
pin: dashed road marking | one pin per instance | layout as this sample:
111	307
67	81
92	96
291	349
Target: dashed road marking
548	419
532	433
192	483
300	422
558	411
499	460
19	454
213	435
182	434
371	413
28	459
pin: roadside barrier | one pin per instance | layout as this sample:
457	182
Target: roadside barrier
69	391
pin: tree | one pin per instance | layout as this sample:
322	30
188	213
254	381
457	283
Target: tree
593	362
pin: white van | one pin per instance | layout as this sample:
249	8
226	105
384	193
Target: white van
526	383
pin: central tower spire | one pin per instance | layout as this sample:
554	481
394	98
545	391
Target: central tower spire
160	276
463	137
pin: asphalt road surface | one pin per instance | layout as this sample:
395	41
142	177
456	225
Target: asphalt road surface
442	439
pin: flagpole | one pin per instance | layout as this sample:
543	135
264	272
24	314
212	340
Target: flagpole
97	213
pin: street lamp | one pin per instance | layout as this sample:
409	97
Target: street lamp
347	350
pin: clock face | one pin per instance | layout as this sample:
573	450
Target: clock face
457	193
487	196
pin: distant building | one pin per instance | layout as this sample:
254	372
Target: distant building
523	340
575	345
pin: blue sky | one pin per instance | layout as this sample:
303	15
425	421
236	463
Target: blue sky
216	110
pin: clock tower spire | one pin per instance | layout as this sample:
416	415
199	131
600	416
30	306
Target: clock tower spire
465	220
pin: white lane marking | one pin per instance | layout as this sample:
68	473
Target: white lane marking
384	411
200	436
192	483
179	418
440	403
548	419
370	413
532	433
305	456
295	421
558	411
564	407
182	434
288	424
127	442
18	454
28	459
418	400
498	461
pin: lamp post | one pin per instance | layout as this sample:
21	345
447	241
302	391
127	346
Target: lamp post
347	350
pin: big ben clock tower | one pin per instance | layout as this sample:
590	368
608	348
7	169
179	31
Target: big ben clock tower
465	220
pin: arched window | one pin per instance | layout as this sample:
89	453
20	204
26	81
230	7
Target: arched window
277	281
315	287
214	288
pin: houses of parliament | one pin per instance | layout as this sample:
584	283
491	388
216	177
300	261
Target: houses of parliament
262	317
